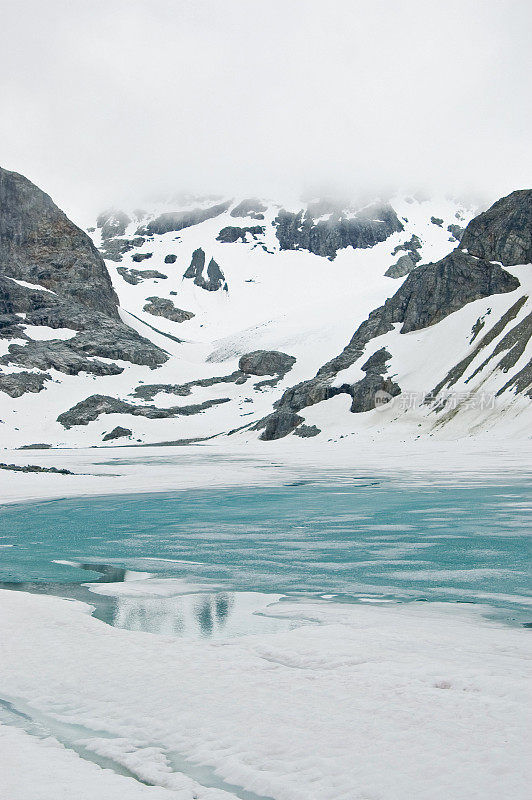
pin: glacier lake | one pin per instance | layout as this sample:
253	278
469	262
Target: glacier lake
205	563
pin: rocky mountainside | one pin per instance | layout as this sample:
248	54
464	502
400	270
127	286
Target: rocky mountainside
209	317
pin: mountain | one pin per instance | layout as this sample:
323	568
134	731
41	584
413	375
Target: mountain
242	317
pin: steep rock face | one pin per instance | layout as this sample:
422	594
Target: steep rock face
325	237
40	245
503	232
177	220
429	294
98	334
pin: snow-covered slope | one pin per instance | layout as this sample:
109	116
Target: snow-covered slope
206	281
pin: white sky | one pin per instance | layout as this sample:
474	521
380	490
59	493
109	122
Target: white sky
108	100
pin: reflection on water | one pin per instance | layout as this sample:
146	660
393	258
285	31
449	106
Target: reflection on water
188	615
194	616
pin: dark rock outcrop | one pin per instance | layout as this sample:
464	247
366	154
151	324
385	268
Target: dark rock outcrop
141	257
406	262
171	258
429	294
148	391
97	404
402	267
266	362
249	208
136	276
278	425
215	278
40	245
326	237
437	221
231	234
35	468
56	354
114	249
503	232
177	220
459	369
117	433
161	307
307	431
456	231
15	384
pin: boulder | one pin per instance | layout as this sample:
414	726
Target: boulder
117	433
266	362
161	307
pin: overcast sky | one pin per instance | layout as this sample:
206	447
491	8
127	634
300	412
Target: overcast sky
107	101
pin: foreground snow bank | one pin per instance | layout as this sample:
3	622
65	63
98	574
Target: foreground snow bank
393	702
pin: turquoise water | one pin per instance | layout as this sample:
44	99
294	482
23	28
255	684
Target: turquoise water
371	539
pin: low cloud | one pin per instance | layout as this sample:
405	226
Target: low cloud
111	101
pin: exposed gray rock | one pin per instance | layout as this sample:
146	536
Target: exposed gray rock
97	404
428	295
407	262
141	256
411	246
249	208
15	384
35	468
437	221
136	276
402	267
114	249
148	391
215	278
177	220
112	223
456	231
521	382
459	369
231	234
39	244
160	307
55	354
37	446
307	431
171	258
98	334
326	237
278	425
266	362
503	232
117	433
